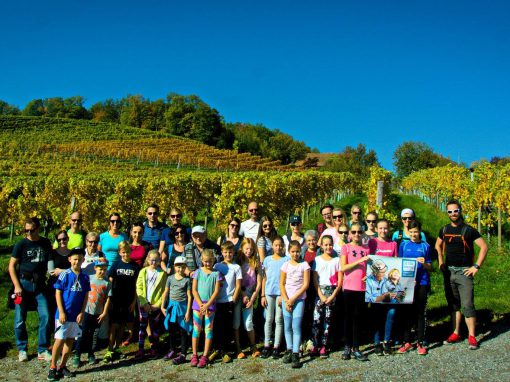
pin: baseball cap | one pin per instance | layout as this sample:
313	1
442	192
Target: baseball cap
101	262
180	260
77	251
198	229
295	219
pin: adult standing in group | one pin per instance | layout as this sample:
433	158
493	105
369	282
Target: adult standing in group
193	250
109	241
92	254
76	234
294	233
175	249
338	217
456	254
174	219
407	215
152	227
232	234
327	216
357	217
265	237
250	227
139	247
31	255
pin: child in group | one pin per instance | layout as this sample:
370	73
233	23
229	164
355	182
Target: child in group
150	286
178	310
206	288
229	295
95	312
271	300
354	258
71	292
327	280
294	281
309	253
123	275
416	312
250	287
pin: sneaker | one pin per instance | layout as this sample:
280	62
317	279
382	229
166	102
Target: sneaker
254	352
265	353
346	355
52	375
194	360
92	359
296	363
170	355
153	354
287	358
453	339
22	356
314	352
139	354
214	355
379	350
323	353
202	362
405	348
64	372
76	361
127	342
180	359
241	355
277	354
226	358
117	354
108	357
473	343
422	350
359	355
387	350
44	356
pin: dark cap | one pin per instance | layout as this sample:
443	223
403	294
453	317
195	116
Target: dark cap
77	251
295	219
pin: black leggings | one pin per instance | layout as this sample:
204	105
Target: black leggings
175	330
354	304
416	314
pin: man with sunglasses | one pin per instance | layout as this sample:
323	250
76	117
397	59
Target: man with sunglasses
407	216
250	227
152	227
27	268
455	255
75	232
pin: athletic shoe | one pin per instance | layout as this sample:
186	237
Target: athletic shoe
226	358
296	363
359	355
241	355
276	354
76	361
92	359
454	338
387	350
170	355
422	350
64	372
473	343
127	341
44	356
213	355
139	354
180	359
194	360
108	357
153	354
22	356
287	358
266	352
379	350
202	362
313	352
52	375
404	349
117	354
323	353
346	355
254	352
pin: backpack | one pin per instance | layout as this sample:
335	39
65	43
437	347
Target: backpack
451	236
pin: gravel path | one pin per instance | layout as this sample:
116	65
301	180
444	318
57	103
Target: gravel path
443	363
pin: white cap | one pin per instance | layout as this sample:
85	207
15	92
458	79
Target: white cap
180	260
198	229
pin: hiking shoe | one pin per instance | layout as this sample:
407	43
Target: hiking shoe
453	339
153	354
296	363
255	352
241	355
202	362
92	359
226	358
287	358
194	360
108	357
76	361
379	350
387	350
473	343
52	375
64	372
214	355
276	354
170	355
127	341
404	349
180	359
323	353
346	355
265	353
44	356
359	355
139	354
22	356
313	352
422	350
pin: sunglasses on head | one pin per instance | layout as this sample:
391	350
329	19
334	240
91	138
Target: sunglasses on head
453	211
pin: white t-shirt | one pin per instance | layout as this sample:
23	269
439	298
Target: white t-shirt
151	278
250	229
231	273
286	244
327	270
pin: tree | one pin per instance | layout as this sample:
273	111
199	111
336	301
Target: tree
34	108
6	109
133	111
355	160
284	148
414	156
106	111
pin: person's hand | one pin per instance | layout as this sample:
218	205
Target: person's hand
470	272
79	318
101	317
249	304
421	260
329	300
263	302
163	310
392	295
18	291
62	318
323	299
187	317
443	268
364	259
204	308
289	305
245	300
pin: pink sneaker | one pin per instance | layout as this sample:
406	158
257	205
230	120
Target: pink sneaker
473	343
313	352
404	349
454	338
203	362
422	350
323	352
194	360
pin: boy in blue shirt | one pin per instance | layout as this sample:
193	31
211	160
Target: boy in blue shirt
71	292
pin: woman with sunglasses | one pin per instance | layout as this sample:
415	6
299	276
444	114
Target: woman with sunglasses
338	217
407	215
267	233
232	234
294	233
174	249
109	240
354	258
167	238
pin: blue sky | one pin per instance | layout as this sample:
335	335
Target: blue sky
330	73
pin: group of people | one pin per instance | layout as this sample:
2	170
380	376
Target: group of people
173	279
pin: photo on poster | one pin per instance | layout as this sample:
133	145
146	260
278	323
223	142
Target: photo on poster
390	280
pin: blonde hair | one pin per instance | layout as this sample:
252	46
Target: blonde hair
125	246
254	260
207	254
393	272
147	261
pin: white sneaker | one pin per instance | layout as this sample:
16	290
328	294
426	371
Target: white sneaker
22	356
44	356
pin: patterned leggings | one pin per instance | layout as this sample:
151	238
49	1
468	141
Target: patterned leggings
322	315
208	324
154	320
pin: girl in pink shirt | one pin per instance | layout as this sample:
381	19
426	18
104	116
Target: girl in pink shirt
382	244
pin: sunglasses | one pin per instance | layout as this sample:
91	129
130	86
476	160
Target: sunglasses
356	232
355	212
407	218
295	224
338	216
266	225
453	211
176	216
177	233
76	220
30	230
234	225
343	232
327	214
93	241
63	239
371	221
253	210
152	213
115	221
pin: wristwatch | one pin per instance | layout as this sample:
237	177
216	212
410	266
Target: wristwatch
476	266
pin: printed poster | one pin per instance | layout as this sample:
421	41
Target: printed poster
390	280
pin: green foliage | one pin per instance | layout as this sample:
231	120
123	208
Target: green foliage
34	108
353	159
6	109
414	156
57	107
106	111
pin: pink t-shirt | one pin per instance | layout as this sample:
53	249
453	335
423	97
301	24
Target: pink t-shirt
353	279
295	278
138	254
383	248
